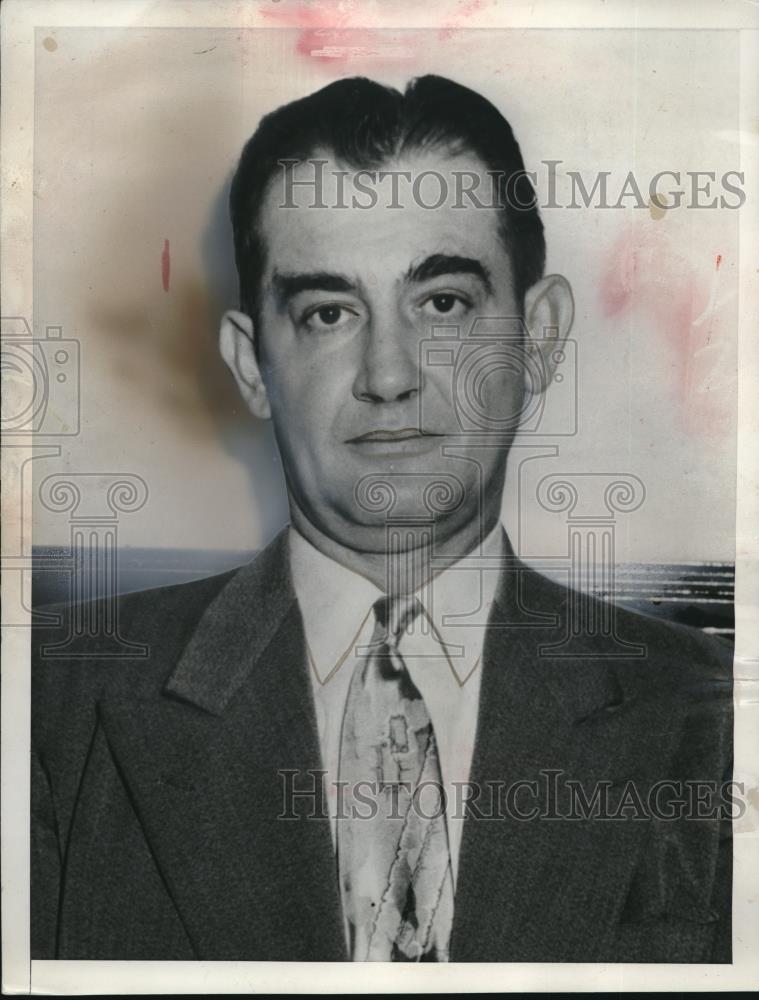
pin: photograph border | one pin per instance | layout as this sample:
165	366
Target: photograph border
23	976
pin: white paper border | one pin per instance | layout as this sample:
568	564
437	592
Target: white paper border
19	18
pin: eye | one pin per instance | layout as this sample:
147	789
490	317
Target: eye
328	315
445	304
331	315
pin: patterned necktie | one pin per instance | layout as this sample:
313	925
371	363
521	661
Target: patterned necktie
393	857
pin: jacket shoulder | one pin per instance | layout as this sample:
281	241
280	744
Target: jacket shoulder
79	648
658	652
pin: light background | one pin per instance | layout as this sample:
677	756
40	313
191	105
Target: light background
136	135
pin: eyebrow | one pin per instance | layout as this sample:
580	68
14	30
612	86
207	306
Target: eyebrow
439	264
286	286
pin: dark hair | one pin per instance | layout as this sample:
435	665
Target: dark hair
364	124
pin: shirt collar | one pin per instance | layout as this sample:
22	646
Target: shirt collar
336	604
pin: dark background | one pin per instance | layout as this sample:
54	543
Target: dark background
697	594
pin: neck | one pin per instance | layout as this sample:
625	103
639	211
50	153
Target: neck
406	568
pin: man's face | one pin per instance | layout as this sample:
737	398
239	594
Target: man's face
364	424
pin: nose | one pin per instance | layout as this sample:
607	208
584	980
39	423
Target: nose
389	370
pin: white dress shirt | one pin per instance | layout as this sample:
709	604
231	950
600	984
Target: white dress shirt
444	658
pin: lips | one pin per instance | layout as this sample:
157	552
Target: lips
384	434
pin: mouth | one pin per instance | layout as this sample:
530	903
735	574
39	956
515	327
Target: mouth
390	436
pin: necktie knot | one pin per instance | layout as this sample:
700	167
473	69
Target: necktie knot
394	615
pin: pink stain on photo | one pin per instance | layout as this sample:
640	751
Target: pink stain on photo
671	294
462	12
165	266
350	38
329	33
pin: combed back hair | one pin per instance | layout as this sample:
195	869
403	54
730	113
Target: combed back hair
364	124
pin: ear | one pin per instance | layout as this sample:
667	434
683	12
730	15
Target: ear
237	345
549	312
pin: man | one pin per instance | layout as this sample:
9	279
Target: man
388	648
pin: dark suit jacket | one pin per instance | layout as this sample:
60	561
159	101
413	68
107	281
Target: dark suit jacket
156	788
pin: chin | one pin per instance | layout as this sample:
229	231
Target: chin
407	496
409	525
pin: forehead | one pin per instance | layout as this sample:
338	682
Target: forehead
379	221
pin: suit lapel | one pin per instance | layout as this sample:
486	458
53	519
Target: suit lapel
546	889
203	765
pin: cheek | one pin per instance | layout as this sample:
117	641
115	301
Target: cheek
289	382
505	389
488	383
309	385
504	402
303	404
295	411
